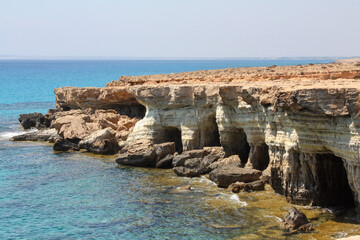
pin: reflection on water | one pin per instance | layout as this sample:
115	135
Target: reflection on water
77	195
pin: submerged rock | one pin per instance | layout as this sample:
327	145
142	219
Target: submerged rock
226	175
297	221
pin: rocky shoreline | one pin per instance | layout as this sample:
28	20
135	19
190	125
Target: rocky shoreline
295	127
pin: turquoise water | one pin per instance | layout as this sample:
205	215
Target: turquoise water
81	196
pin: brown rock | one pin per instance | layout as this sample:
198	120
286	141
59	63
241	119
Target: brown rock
165	162
252	186
164	149
296	220
63	145
186	172
224	176
232	160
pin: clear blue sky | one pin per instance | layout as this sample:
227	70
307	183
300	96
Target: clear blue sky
180	28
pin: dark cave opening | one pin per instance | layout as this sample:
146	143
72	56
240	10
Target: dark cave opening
236	144
333	185
173	134
210	136
259	156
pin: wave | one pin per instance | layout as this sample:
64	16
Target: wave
234	198
10	134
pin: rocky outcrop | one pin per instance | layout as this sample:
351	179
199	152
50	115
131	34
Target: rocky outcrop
299	125
36	120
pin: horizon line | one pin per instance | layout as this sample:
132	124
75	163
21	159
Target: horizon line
18	57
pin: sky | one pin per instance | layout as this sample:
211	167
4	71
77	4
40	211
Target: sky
179	28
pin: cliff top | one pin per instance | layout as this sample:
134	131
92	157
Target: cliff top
335	74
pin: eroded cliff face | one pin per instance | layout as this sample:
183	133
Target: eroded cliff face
301	126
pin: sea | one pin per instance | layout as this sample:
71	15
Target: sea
48	195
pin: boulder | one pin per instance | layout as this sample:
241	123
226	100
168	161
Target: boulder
186	172
192	163
43	135
101	142
233	160
214	154
164	149
180	159
296	220
166	162
143	159
224	176
63	145
140	153
252	186
36	120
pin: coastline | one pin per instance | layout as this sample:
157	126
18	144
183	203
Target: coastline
147	90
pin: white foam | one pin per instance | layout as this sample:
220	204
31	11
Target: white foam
206	180
234	198
8	135
277	218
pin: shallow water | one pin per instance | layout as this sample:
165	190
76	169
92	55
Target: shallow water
47	195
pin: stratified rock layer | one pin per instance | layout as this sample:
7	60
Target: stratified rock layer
299	124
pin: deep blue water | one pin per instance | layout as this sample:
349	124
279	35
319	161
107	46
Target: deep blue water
78	196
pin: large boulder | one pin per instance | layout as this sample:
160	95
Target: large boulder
226	175
36	120
296	220
101	142
44	135
140	153
146	154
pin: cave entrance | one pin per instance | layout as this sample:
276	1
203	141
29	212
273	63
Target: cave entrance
210	136
173	134
259	156
134	110
236	144
333	185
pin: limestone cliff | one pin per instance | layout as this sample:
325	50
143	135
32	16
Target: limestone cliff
301	124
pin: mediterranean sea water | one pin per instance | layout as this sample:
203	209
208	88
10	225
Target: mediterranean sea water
47	195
